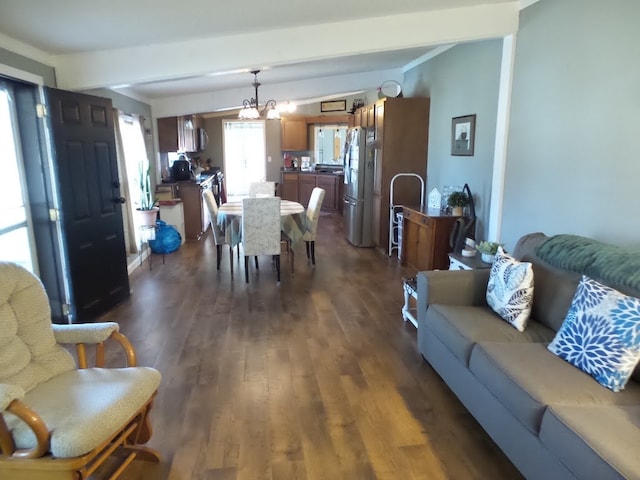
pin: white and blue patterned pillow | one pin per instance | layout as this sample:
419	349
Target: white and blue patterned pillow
510	289
601	334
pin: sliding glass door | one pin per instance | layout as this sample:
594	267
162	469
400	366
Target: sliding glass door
244	155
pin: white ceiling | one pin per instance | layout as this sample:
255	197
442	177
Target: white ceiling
176	55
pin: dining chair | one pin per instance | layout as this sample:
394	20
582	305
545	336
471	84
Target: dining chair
261	230
61	418
218	234
260	189
313	215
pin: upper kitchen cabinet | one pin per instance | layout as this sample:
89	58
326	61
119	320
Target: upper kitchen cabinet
168	134
179	134
294	133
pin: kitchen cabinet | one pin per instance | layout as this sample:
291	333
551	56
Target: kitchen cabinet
306	183
402	126
168	134
294	134
297	186
425	239
357	117
179	134
289	186
188	134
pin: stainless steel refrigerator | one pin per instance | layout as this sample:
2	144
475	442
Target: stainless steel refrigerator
358	189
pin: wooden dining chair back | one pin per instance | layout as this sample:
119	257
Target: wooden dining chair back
59	418
261	229
262	189
218	234
313	215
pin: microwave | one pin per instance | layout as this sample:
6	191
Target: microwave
203	139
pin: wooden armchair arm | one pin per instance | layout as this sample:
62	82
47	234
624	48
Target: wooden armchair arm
95	334
34	422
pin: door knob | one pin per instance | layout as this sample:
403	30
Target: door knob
119	200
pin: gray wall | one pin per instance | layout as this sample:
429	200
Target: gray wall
464	80
14	60
573	164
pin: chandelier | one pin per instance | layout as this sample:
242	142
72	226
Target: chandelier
251	108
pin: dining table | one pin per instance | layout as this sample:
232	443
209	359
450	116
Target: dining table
293	221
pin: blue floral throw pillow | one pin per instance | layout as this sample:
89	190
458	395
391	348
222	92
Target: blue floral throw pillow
601	334
510	289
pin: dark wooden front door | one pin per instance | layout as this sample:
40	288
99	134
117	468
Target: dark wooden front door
87	174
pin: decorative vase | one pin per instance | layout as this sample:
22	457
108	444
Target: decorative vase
456	211
148	217
488	257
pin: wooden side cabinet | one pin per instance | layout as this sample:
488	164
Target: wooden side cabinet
294	133
425	239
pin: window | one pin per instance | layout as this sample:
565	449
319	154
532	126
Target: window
244	155
329	142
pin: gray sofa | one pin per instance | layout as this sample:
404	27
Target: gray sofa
551	420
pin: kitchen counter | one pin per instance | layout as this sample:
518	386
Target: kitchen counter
313	172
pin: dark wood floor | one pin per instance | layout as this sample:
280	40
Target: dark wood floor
318	378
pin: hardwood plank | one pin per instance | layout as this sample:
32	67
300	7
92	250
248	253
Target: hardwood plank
317	378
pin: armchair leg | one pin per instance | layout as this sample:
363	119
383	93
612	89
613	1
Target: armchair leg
218	256
246	269
256	259
231	259
313	252
306	244
278	268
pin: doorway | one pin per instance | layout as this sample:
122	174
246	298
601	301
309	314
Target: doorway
244	155
17	242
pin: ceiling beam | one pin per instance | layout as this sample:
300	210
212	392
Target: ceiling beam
108	68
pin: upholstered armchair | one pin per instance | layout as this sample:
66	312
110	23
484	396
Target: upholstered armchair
313	215
60	419
261	229
262	189
218	234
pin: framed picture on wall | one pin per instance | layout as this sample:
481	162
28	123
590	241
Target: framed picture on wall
463	135
333	106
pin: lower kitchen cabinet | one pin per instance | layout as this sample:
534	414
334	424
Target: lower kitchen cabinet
425	239
297	186
196	216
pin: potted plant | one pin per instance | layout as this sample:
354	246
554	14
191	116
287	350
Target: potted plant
488	251
457	201
147	206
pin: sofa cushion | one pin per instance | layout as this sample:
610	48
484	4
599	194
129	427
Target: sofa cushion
554	288
526	377
594	441
461	327
510	289
83	408
601	334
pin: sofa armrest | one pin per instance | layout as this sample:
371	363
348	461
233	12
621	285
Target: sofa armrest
90	333
452	287
9	393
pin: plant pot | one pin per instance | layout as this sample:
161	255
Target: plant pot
148	217
488	258
456	211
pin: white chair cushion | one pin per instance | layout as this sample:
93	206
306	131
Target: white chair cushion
313	214
212	207
83	408
29	353
261	226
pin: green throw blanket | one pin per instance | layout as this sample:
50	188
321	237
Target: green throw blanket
617	267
